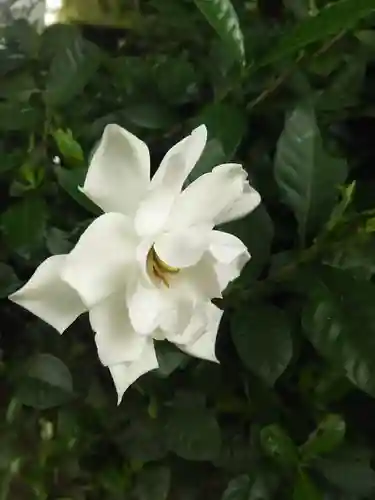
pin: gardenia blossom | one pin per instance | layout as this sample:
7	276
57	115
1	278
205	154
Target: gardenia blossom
147	268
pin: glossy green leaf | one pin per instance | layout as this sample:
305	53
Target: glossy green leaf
262	336
336	17
24	223
279	446
223	18
70	181
339	320
72	68
67	145
307	176
328	436
153	483
48	383
305	489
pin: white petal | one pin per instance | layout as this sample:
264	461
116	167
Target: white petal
48	297
125	374
153	212
146	305
203	278
225	247
116	340
204	346
179	161
97	265
246	203
208	196
183	247
119	172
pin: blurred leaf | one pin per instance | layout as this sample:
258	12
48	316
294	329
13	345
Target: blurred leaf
192	432
223	18
150	115
262	336
142	440
169	357
307	176
48	383
18	86
153	483
304	488
72	68
279	446
8	280
250	487
18	117
67	145
331	20
338	304
24	223
328	436
70	181
177	80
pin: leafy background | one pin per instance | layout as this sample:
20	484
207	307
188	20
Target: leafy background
286	88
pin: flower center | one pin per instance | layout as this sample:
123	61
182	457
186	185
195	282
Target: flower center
158	269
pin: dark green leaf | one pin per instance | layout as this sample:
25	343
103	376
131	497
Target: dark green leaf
279	446
48	383
150	115
304	488
142	440
8	280
223	18
193	433
71	180
338	304
307	176
336	17
212	156
262	336
258	486
18	117
328	436
72	68
24	223
169	357
153	483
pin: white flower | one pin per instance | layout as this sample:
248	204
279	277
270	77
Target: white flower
147	268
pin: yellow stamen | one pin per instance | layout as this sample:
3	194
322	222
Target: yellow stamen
158	269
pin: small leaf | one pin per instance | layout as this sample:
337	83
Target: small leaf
68	146
169	357
71	180
308	178
48	383
259	486
304	488
71	69
328	436
24	223
263	340
153	483
337	305
279	446
338	16
8	280
223	18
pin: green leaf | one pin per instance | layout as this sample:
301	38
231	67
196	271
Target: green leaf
336	17
339	320
169	357
24	223
48	383
257	223
8	280
72	68
278	445
68	146
262	336
70	181
328	436
308	178
18	117
212	155
142	440
153	483
150	115
350	471
245	487
192	432
304	488
223	18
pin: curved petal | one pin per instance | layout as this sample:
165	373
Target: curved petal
97	265
208	196
180	161
125	374
203	278
203	347
183	247
115	338
119	172
146	305
48	297
226	247
246	203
